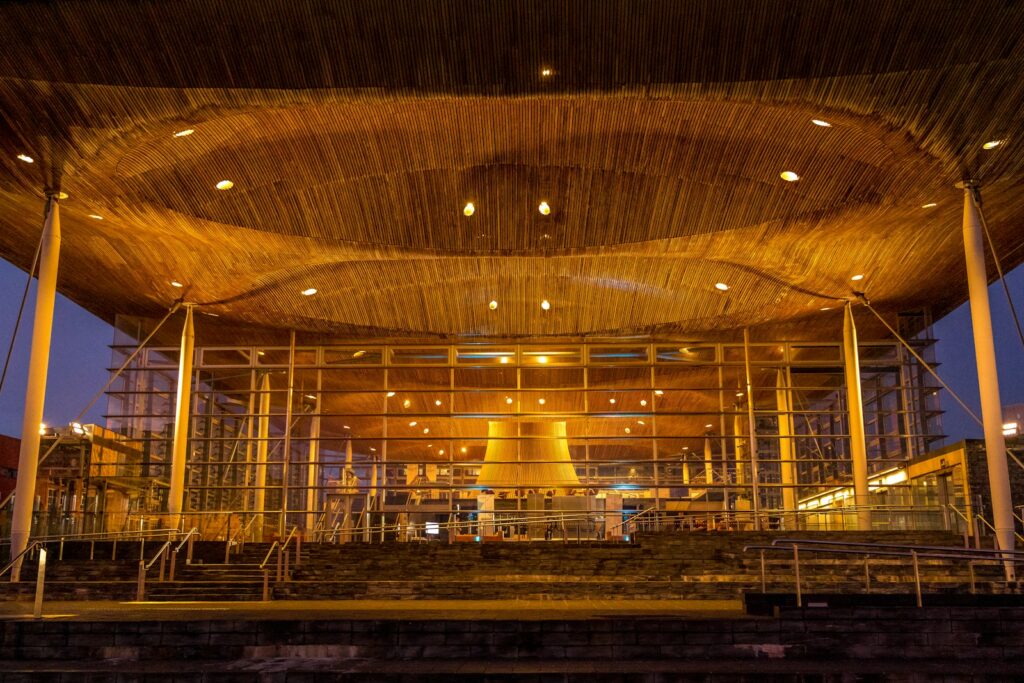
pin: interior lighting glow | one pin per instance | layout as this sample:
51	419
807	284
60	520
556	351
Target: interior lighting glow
359	354
406	403
26	158
858	277
627	430
546	305
992	144
823	124
440	451
62	195
372	449
175	283
544	209
309	292
493	305
225	185
462	450
311	397
504	360
390	394
184	133
789	176
721	287
543	360
547	72
641	422
345	427
468	209
659	392
77	428
1010	429
42	428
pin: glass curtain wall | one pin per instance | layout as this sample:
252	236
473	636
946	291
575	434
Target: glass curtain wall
386	435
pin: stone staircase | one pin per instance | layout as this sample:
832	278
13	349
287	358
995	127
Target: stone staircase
669	565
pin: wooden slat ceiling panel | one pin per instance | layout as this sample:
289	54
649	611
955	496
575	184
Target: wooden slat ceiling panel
355	133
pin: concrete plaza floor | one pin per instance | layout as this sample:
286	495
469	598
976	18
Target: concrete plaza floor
526	610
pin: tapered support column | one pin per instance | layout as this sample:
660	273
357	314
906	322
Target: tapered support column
182	409
312	480
35	389
855	404
787	453
988	381
262	442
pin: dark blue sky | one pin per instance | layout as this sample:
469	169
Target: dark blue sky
79	357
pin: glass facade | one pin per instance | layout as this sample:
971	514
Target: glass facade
398	432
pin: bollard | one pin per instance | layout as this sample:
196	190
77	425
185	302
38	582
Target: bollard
140	587
37	610
796	571
764	578
917	577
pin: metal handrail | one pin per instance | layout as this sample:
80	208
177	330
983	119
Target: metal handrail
266	558
194	531
17	559
996	533
101	536
634	517
893	546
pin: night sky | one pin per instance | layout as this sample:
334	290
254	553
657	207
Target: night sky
80	356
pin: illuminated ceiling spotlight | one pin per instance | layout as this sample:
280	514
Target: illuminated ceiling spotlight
175	283
789	176
406	403
62	195
437	402
659	392
309	292
77	428
184	133
858	277
426	430
493	305
643	403
95	216
721	287
547	72
823	124
544	208
508	400
709	426
825	308
929	205
26	158
541	401
546	305
612	401
42	429
311	397
504	360
992	144
413	423
390	394
440	451
224	185
468	209
359	354
627	430
543	360
462	450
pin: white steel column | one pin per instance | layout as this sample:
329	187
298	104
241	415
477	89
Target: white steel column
35	387
312	480
988	380
855	405
787	458
262	436
182	410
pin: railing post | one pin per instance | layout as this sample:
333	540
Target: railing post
174	560
266	585
867	573
37	610
92	549
298	550
764	577
163	561
280	552
917	577
188	554
796	571
113	553
60	556
140	588
970	571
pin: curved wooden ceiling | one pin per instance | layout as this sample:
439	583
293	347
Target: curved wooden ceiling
354	134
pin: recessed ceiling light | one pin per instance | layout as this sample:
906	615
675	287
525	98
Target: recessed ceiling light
504	360
406	403
508	400
426	430
225	185
857	278
641	422
493	305
789	176
184	133
547	71
546	305
708	426
929	205
437	402
544	208
390	394
541	401
175	283
542	360
721	286
612	401
823	124
309	292
643	402
659	392
462	450
413	423
825	308
359	354
26	158
627	430
345	427
468	209
992	144
95	216
372	449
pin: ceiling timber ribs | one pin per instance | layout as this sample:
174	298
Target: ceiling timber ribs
355	135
